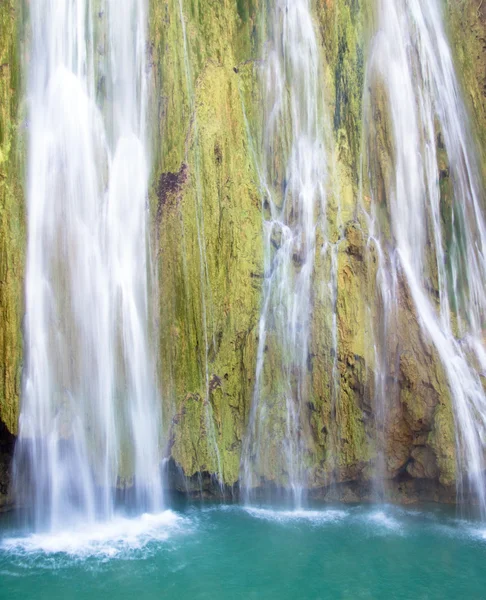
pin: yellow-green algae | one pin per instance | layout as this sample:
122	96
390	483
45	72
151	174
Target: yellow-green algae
466	21
343	440
12	218
209	230
206	194
411	432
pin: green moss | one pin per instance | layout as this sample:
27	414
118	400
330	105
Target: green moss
466	21
207	112
342	442
442	441
343	33
12	226
209	231
352	329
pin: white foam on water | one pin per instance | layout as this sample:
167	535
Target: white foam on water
462	529
8	573
479	534
315	517
384	522
110	539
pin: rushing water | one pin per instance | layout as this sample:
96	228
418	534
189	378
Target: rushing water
439	243
232	552
90	417
293	182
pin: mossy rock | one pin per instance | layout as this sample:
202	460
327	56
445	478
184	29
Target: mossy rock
12	215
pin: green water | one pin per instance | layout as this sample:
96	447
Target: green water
215	552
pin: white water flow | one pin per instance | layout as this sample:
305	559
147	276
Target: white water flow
411	58
90	416
293	180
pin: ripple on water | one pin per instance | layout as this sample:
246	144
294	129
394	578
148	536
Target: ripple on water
314	517
468	531
384	523
381	522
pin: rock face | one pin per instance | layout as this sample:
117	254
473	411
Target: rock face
12	217
207	238
467	33
208	229
7	441
12	236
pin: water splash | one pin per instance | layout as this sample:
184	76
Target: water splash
293	182
119	538
90	416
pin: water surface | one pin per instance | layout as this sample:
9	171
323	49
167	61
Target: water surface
229	551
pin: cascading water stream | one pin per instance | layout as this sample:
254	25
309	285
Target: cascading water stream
90	417
438	246
293	182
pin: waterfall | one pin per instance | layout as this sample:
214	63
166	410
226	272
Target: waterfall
439	245
293	176
90	417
